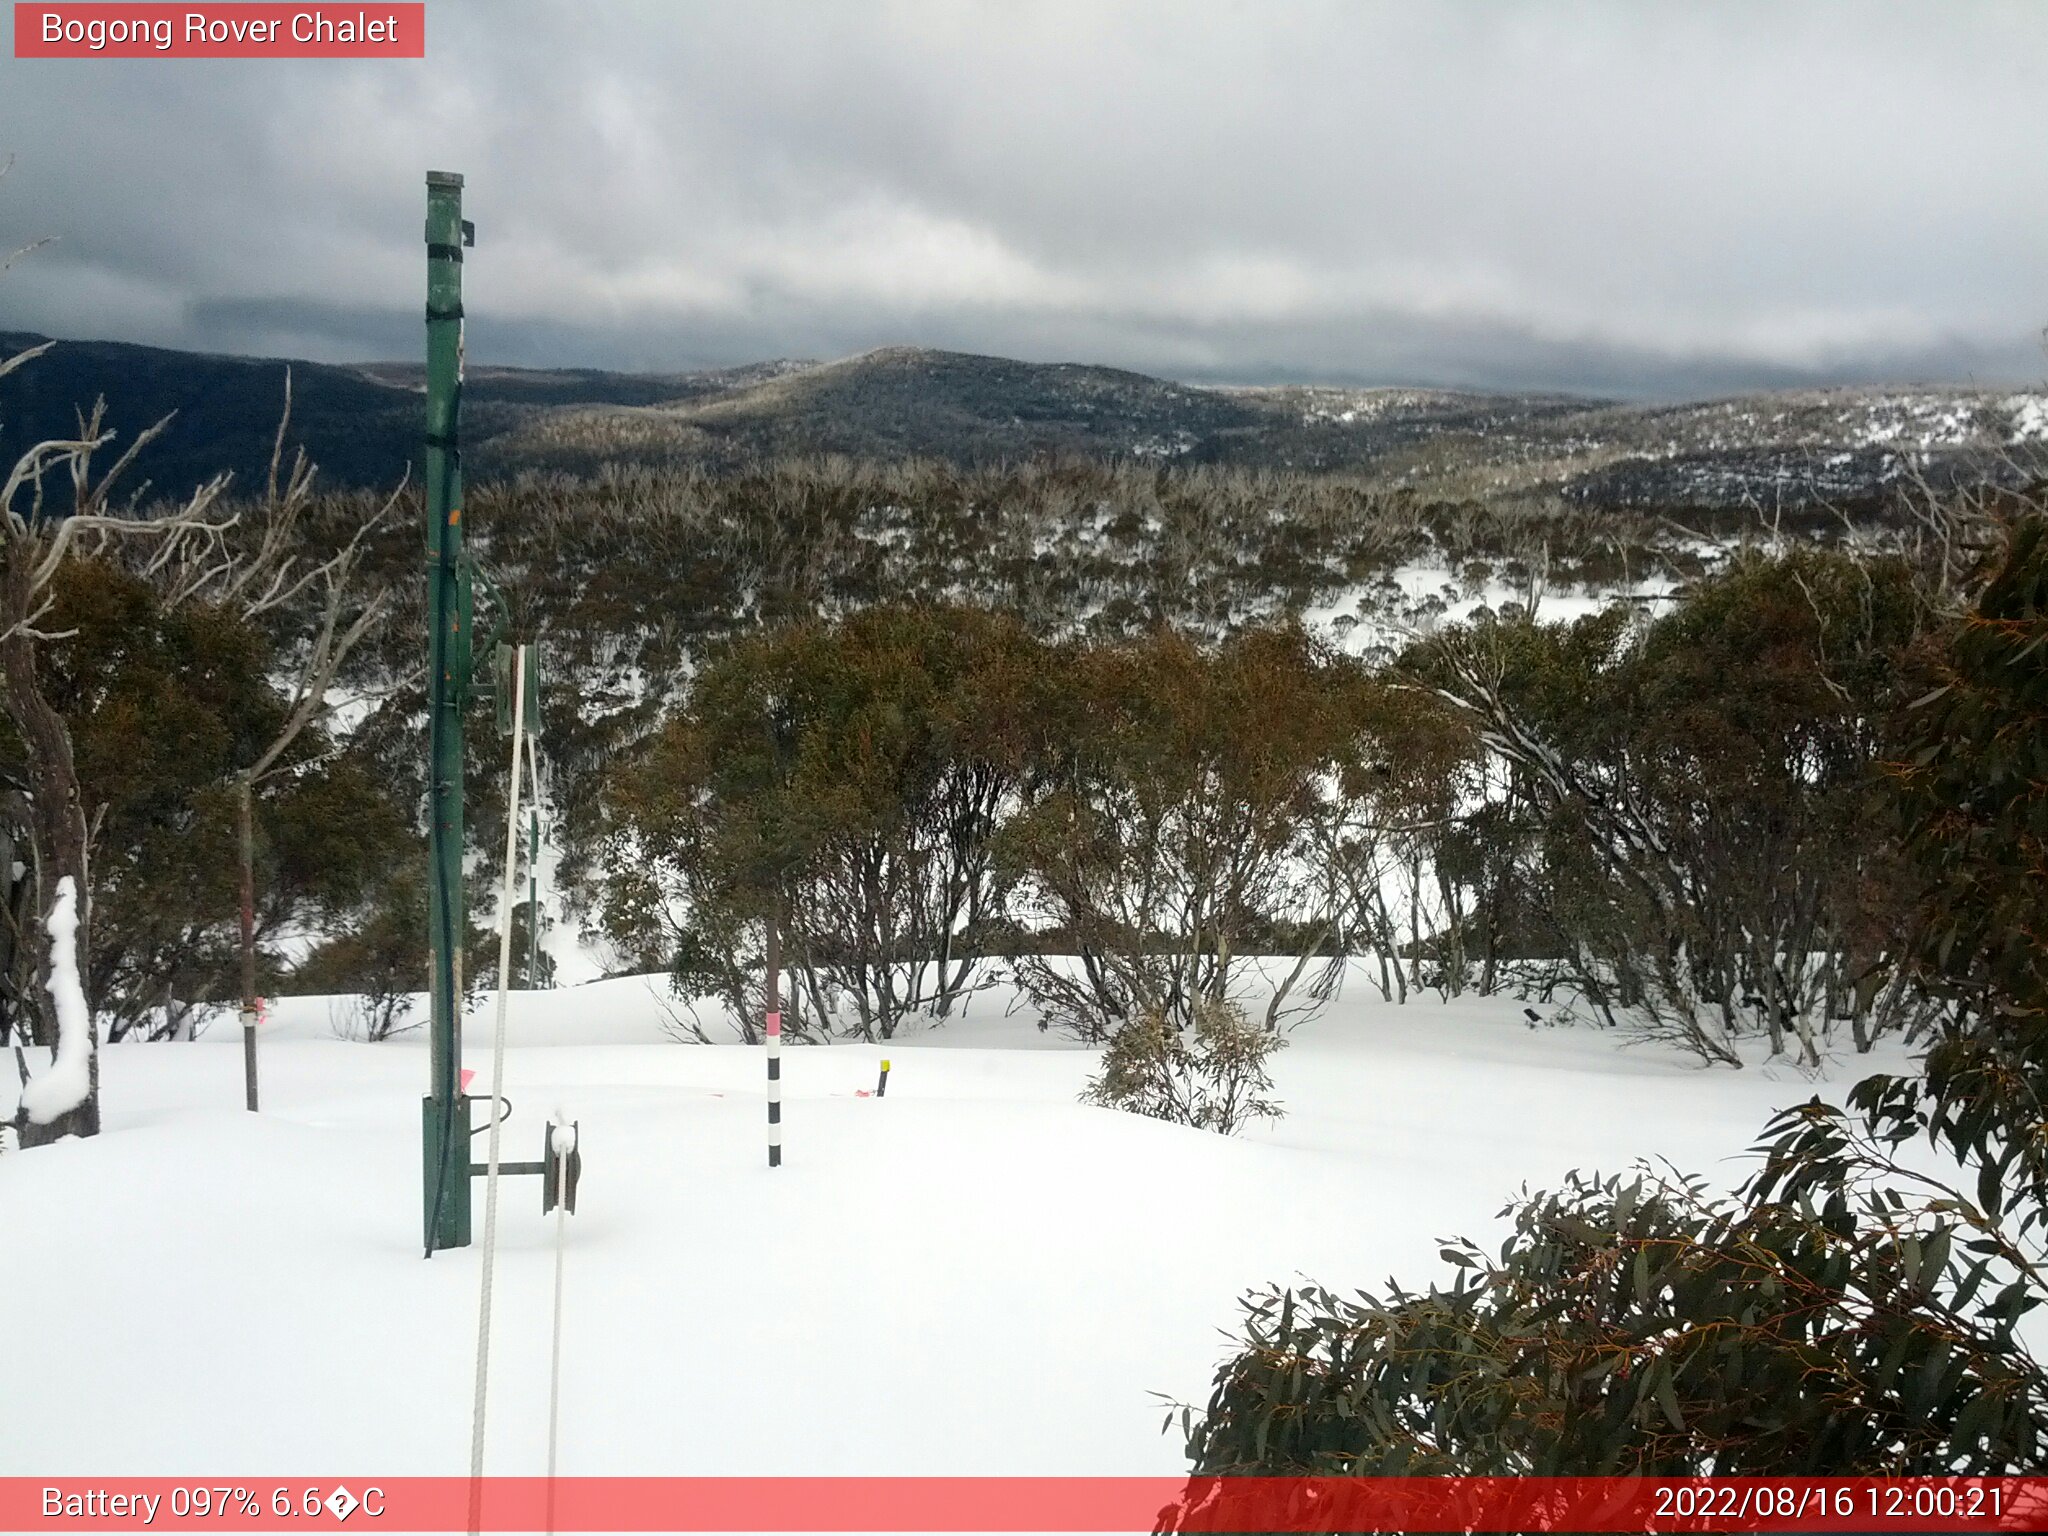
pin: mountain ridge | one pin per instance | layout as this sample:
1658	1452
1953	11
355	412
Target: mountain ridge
360	423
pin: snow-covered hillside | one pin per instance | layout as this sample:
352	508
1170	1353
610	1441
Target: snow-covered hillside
974	1275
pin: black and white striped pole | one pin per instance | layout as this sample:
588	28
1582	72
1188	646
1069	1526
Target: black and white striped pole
774	1090
773	1036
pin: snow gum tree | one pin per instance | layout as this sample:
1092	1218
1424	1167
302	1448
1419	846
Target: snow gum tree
851	775
1177	826
1973	786
1409	781
1857	1307
48	804
1702	794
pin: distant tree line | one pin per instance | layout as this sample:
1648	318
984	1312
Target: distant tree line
1060	718
1673	824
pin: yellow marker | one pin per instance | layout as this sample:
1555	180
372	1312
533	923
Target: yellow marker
885	1063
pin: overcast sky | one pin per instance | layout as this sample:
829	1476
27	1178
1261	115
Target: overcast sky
1616	198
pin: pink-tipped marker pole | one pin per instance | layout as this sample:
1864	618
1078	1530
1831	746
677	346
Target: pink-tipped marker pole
775	1090
772	1007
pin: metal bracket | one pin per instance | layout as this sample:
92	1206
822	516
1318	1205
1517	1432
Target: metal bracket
550	1169
502	687
495	638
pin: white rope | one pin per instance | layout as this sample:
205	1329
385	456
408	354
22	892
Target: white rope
483	1318
555	1356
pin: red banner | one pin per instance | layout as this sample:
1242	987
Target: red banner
1049	1504
216	31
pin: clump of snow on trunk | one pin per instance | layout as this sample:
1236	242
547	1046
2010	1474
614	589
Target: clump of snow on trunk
63	1086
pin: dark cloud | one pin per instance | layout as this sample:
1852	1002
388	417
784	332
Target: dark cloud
1606	198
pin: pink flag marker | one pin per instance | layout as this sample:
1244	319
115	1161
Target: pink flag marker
468	1077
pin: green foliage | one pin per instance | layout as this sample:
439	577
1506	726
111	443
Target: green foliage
378	967
1975	783
164	706
1973	788
1715	812
1644	1327
850	774
1212	1077
916	789
638	576
1697	798
1180	796
378	963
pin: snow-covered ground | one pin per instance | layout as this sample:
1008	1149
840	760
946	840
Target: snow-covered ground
974	1275
1418	597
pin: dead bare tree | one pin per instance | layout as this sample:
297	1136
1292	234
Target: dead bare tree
190	551
37	542
345	619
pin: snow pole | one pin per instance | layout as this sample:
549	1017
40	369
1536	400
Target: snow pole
882	1082
773	1035
775	1090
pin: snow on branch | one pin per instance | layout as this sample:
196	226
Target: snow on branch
67	1081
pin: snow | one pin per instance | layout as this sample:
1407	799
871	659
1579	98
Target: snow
2029	418
1418	596
975	1275
63	1085
1918	421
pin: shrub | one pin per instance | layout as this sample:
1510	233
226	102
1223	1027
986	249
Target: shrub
1646	1328
1215	1081
379	965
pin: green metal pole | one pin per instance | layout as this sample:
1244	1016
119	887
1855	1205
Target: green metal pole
446	1111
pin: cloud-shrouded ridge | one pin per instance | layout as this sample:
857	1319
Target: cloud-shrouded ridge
1611	198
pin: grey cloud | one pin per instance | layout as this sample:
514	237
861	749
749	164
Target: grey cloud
1609	198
